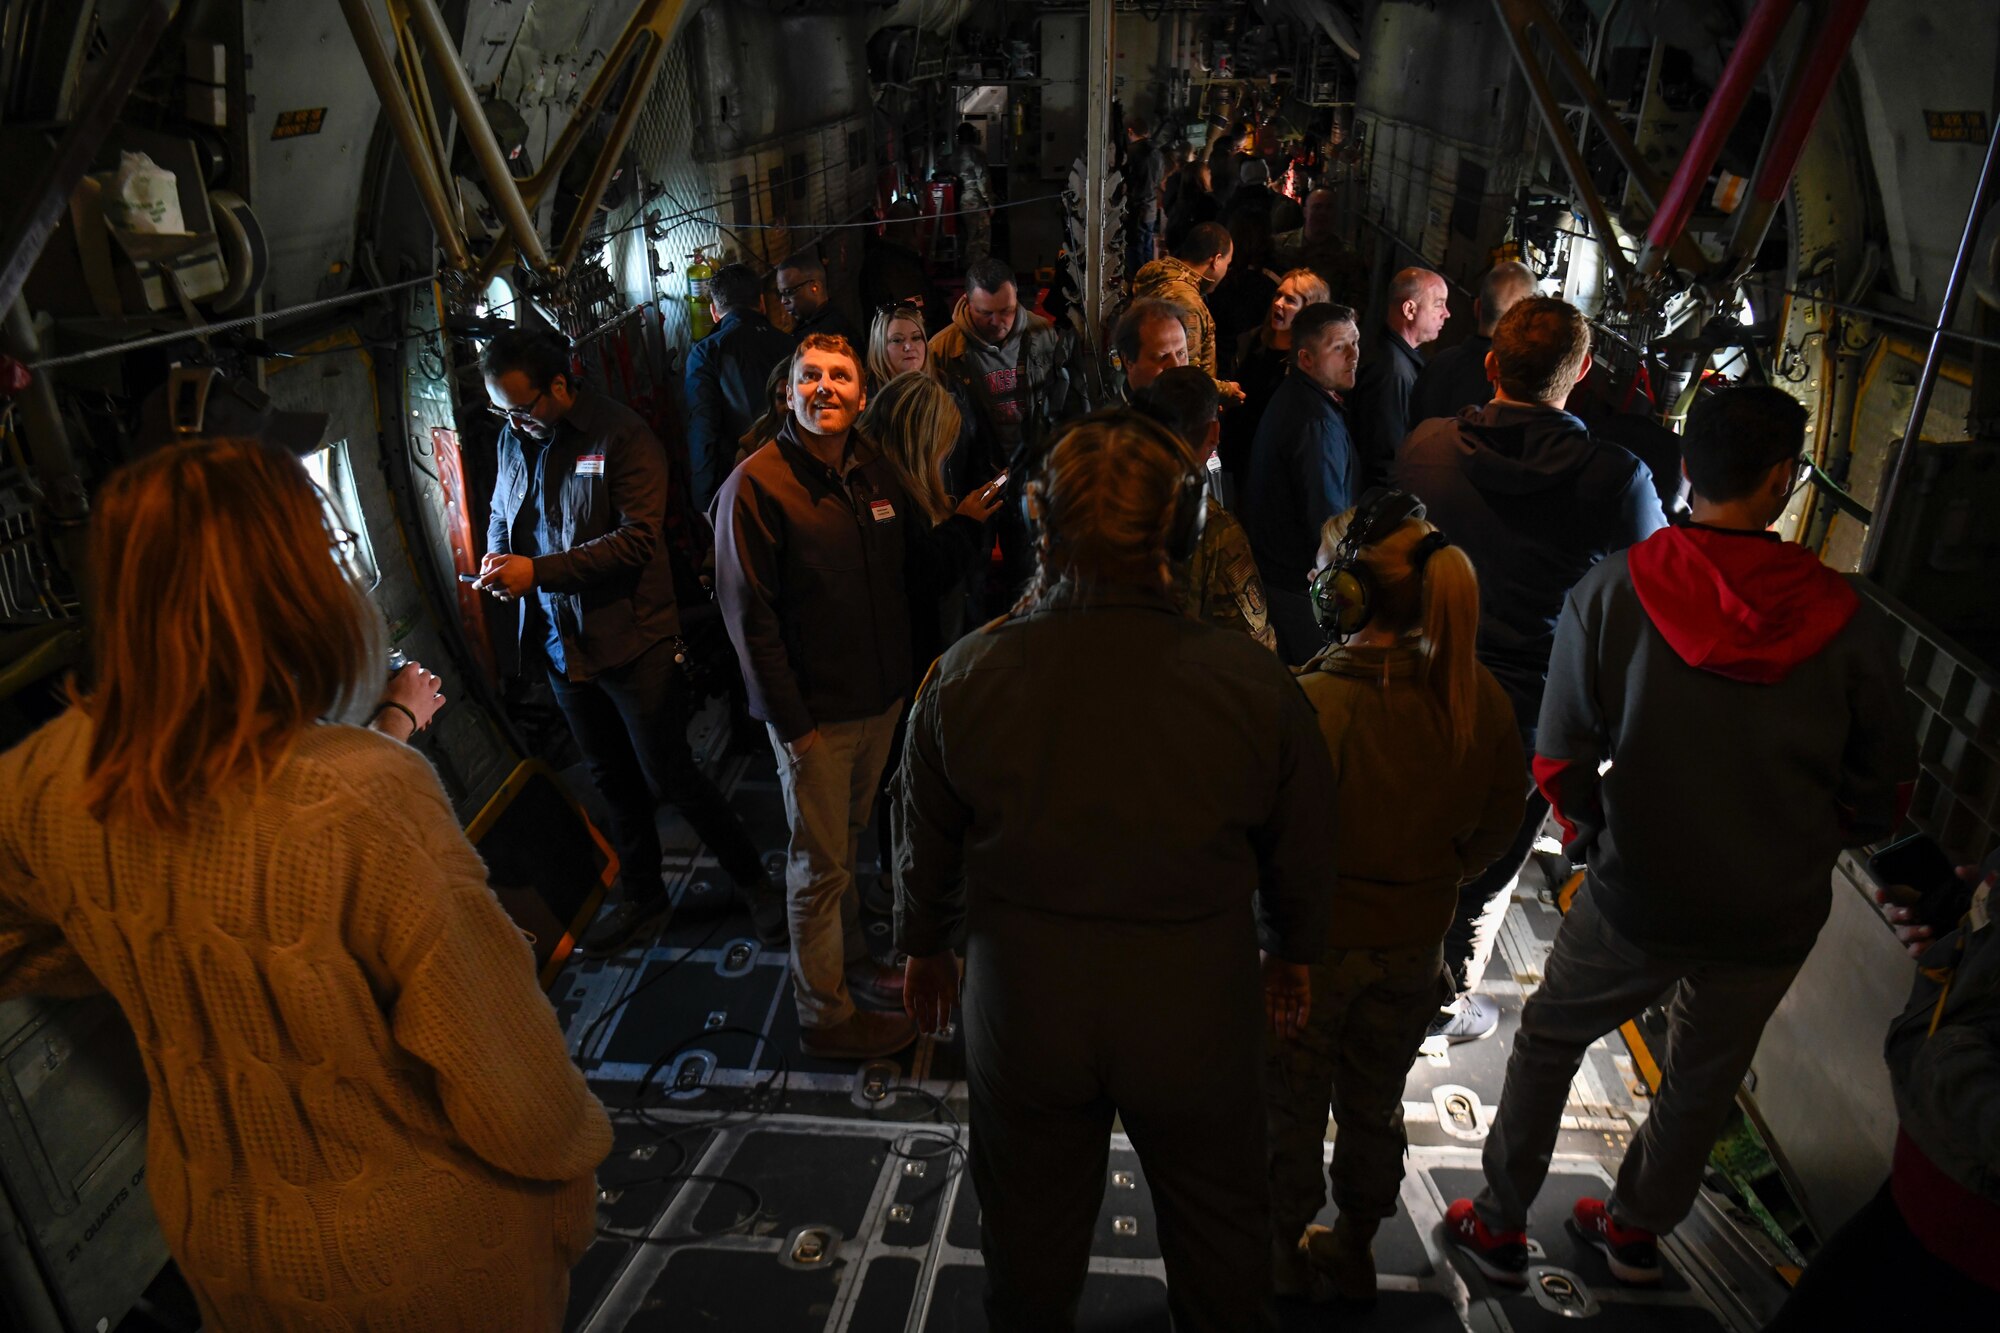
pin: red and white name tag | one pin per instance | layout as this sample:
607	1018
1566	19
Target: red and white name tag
590	465
883	510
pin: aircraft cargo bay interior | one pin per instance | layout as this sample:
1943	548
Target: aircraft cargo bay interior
908	666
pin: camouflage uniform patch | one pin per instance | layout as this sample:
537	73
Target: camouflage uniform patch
1220	585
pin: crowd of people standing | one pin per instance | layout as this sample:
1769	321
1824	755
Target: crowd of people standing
1262	677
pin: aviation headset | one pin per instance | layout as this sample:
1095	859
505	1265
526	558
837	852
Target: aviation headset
1343	594
1190	494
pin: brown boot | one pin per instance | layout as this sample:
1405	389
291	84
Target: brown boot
864	1036
1343	1255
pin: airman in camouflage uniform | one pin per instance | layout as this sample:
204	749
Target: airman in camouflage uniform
1220	585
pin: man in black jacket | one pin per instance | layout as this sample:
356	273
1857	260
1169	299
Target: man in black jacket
725	376
803	292
1456	377
817	542
1418	308
578	507
1302	471
1535	501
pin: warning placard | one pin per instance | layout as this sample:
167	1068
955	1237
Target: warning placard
1956	126
292	124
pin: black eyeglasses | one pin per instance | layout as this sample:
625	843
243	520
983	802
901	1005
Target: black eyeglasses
911	309
525	412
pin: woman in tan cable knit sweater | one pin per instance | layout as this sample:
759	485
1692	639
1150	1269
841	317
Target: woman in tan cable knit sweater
363	1114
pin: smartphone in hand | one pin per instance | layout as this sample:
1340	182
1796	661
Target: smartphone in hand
1916	873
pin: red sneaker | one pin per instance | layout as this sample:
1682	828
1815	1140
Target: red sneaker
1502	1256
1634	1254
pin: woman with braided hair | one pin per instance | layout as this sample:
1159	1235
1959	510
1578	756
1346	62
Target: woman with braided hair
1428	763
1109	806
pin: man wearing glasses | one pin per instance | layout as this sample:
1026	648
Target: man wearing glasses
579	503
802	292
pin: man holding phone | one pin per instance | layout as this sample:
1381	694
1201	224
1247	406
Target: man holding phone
1755	706
576	541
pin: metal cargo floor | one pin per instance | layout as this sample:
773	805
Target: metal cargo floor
756	1190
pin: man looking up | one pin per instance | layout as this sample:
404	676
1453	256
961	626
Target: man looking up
802	292
1535	501
817	547
725	376
1739	680
576	541
1200	261
1302	470
1456	377
1418	308
1150	338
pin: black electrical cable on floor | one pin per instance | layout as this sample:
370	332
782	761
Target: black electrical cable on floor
629	996
667	1133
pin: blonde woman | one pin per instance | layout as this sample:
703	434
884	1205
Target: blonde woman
1064	810
1263	355
896	344
362	1115
1428	760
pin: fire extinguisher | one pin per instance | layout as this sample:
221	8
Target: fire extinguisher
700	322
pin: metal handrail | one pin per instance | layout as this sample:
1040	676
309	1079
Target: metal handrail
1920	405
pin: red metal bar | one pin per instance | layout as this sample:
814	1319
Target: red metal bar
1739	76
1829	51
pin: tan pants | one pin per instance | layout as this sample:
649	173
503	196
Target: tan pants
829	796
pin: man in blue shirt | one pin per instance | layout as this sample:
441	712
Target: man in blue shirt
1302	470
579	502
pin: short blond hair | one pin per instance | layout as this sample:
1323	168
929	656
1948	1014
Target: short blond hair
225	627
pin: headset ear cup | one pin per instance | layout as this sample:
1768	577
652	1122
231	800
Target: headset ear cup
1341	597
1352	596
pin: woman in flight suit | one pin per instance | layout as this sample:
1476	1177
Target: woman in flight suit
1114	806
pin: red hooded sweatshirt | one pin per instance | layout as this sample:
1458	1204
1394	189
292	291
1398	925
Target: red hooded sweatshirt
1751	706
1741	604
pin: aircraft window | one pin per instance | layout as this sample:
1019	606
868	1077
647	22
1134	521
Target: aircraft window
334	477
496	302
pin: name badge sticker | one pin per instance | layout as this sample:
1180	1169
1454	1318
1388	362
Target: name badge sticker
590	465
883	510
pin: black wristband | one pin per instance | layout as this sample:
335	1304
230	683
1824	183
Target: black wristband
387	704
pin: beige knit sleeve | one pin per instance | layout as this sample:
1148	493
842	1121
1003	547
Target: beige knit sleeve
466	1003
35	959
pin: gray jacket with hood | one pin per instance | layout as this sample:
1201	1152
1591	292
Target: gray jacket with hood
1016	387
1752	709
1535	501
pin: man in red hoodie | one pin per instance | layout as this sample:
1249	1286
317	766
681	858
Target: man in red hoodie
1754	705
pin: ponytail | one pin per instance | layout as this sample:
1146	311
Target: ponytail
1425	585
1450	633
